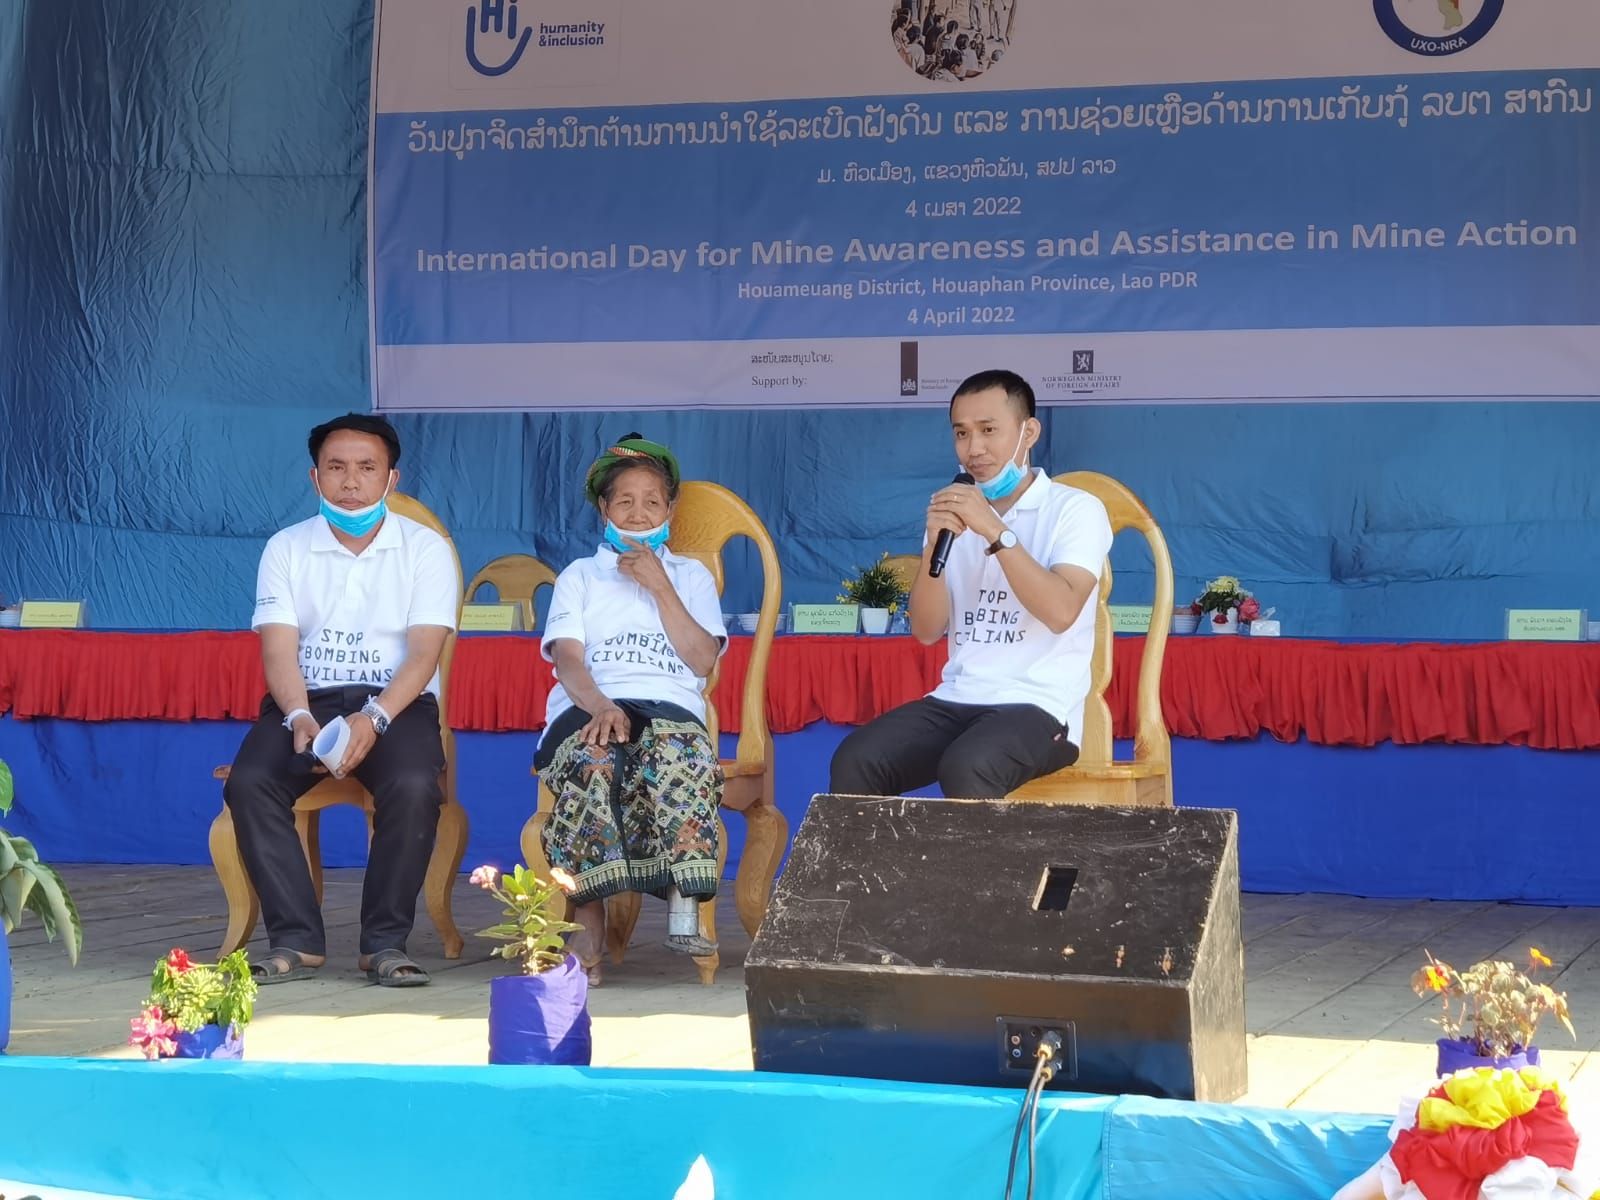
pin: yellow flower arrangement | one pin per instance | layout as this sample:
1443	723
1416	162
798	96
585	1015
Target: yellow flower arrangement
1221	594
1492	1005
878	586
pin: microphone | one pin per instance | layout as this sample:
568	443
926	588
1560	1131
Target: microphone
941	545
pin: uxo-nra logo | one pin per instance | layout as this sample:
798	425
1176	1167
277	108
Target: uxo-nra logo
1437	27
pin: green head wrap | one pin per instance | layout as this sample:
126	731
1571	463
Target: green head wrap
632	447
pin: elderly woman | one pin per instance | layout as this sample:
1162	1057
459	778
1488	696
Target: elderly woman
634	630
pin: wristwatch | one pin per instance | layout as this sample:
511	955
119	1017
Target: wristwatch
1005	541
374	713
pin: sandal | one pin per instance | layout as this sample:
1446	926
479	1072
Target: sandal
591	969
589	962
280	966
696	946
393	968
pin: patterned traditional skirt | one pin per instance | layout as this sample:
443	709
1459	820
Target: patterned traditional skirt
639	816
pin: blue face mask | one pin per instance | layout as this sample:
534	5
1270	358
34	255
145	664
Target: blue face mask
356	522
654	538
1010	475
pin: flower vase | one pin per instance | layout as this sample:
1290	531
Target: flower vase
5	989
210	1041
1457	1054
1229	623
541	1020
874	620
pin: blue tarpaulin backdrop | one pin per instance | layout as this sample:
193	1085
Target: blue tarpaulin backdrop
182	295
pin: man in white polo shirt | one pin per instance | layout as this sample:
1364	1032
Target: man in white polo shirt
353	607
1017	602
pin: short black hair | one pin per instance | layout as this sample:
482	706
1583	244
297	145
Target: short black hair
1017	390
378	427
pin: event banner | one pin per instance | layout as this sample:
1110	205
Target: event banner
703	203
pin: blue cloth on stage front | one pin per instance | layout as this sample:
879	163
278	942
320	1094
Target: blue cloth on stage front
341	1131
452	1131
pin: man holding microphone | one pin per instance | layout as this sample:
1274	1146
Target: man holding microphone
1010	575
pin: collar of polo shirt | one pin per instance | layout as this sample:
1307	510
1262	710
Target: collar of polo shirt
1034	494
323	542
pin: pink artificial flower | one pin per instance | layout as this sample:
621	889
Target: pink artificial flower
1220	619
483	877
153	1033
178	961
1196	609
563	880
1250	609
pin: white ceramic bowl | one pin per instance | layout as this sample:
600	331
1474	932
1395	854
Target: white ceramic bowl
748	621
1185	624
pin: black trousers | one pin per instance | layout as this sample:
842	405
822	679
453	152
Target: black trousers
401	772
973	752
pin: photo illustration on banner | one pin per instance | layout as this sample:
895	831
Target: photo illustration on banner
609	204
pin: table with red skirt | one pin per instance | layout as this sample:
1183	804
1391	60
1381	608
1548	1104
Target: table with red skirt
1453	771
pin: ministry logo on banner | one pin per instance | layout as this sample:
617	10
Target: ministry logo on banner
534	43
1082	380
1437	27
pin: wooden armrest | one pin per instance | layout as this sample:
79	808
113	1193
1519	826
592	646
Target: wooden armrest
1118	771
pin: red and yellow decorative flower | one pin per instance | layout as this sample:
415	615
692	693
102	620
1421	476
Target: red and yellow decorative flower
1483	1135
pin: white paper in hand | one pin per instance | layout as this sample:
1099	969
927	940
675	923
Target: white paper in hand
331	742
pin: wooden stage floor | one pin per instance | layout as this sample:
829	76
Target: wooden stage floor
1333	1023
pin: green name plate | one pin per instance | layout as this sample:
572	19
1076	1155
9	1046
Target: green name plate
52	614
491	618
1130	618
824	618
1545	624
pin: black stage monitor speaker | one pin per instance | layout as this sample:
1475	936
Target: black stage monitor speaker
938	940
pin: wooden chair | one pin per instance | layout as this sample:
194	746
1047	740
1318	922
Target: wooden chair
450	842
516	579
707	518
1096	778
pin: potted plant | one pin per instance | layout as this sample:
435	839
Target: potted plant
879	591
1228	603
540	1016
1491	1011
196	1010
28	885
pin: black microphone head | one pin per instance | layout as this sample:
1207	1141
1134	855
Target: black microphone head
963	477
